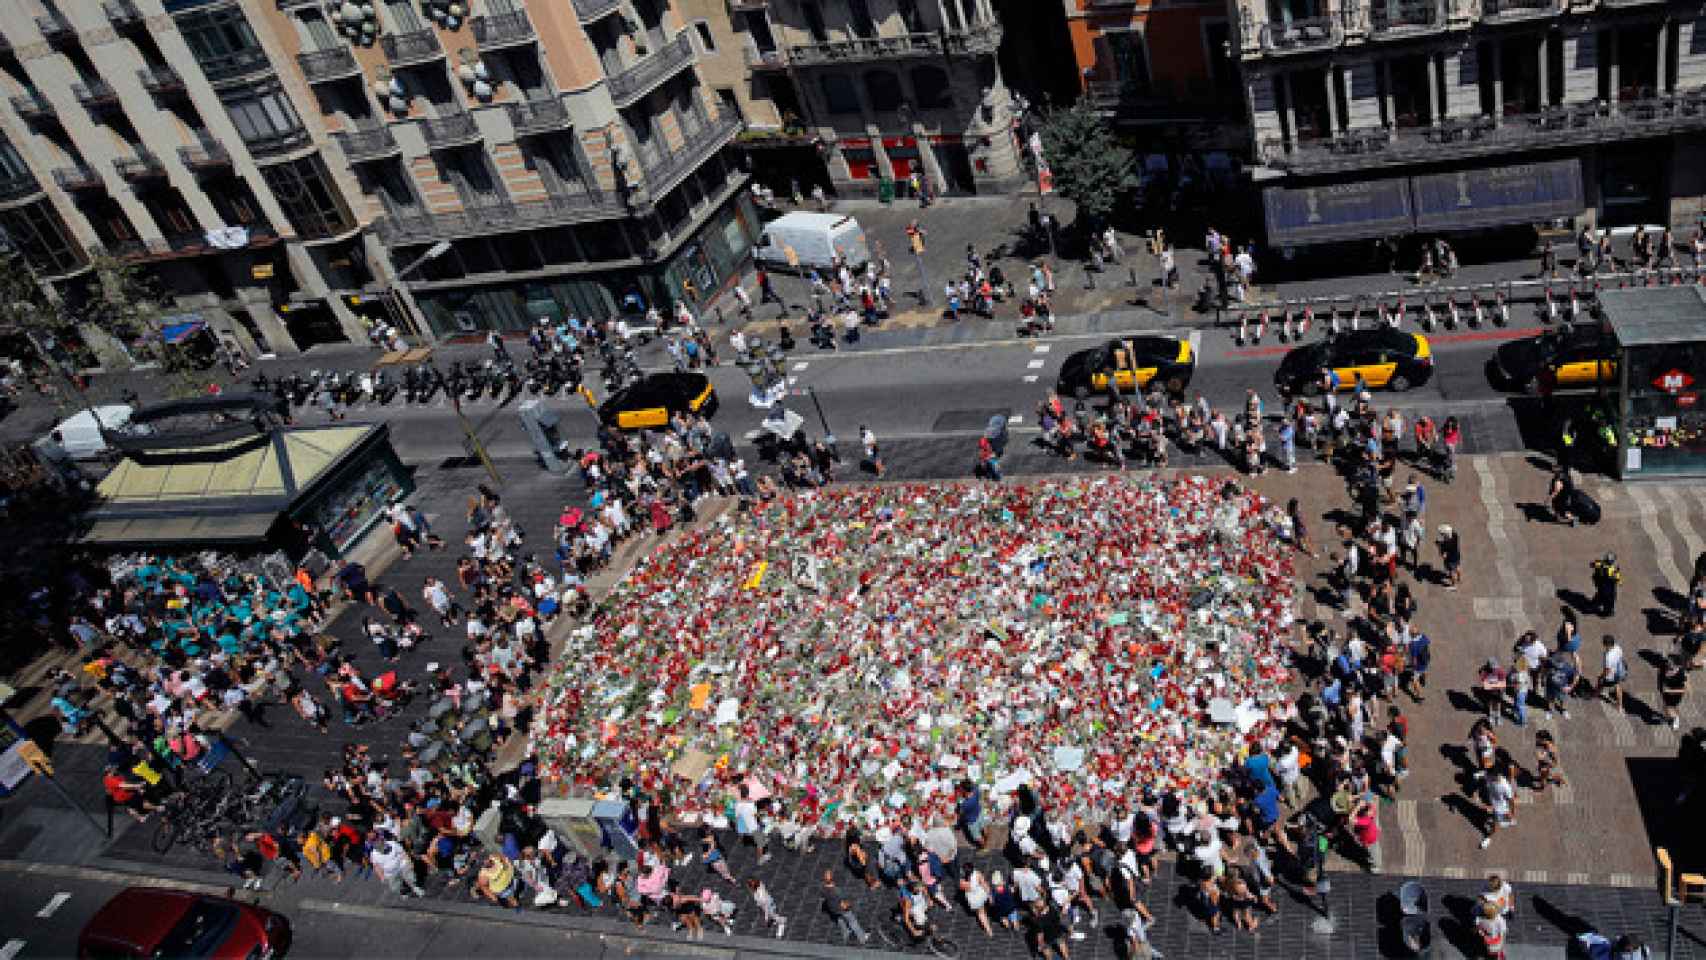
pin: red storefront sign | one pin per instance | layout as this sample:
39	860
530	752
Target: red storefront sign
1673	381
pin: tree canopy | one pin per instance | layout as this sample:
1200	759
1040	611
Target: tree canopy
1089	167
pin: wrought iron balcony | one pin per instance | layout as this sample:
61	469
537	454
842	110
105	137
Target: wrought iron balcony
555	209
143	166
279	142
95	95
234	65
981	39
1563	126
78	177
206	156
161	81
453	130
414	47
33	107
319	66
1302	36
590	10
123	14
766	59
56	29
1405	18
636	81
362	145
664	171
1510	11
503	30
535	117
18	187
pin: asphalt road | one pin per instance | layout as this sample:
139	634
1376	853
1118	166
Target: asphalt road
944	394
42	915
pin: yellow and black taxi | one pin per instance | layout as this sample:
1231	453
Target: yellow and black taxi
1129	363
1577	358
650	401
1382	358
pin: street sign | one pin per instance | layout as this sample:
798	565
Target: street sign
1673	381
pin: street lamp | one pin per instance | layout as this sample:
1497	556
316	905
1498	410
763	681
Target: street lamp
433	252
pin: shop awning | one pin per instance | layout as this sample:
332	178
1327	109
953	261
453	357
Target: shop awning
1299	216
180	329
1495	196
165	531
238	470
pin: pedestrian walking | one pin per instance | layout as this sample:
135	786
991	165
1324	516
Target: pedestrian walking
1548	766
1673	686
1606	577
1614	670
873	459
841	912
1500	794
767	906
1451	555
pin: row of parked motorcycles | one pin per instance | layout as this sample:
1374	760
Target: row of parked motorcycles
499	379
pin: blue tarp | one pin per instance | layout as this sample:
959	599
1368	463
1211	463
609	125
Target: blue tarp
1299	216
181	330
1495	196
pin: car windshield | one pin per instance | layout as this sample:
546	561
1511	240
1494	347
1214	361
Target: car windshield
204	927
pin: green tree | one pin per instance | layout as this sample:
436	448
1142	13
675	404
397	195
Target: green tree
1088	167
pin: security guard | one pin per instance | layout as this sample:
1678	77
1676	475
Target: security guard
1606	577
1566	444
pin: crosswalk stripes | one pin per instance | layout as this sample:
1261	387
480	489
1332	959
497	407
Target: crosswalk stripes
1410	829
1494	504
1648	511
1680	519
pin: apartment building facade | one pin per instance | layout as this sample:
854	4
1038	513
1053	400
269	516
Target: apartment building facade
284	166
1166	74
1437	115
868	91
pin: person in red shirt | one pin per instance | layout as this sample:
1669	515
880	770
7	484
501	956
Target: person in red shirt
127	794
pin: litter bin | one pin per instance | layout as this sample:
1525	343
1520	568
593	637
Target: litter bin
1413	899
885	190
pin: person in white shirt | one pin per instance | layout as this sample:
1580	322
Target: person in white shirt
1613	671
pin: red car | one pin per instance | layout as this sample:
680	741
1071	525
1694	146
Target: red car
147	922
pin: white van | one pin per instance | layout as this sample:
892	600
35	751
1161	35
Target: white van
815	238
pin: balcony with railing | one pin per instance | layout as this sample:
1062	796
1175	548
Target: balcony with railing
161	81
451	130
360	146
636	81
1392	19
55	28
206	156
279	142
757	59
1511	11
1568	125
1302	35
498	30
555	209
95	95
534	117
18	186
33	107
143	166
235	65
78	177
123	14
590	10
412	48
701	138
981	39
319	66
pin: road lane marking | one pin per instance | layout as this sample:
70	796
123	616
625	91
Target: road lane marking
1015	419
1031	378
1196	343
793	380
1041	348
1035	364
11	949
800	365
53	905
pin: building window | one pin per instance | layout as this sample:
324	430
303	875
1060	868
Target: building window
12	166
222	41
861	162
304	189
839	94
729	104
394	188
814	20
321	36
38	234
403	16
708	42
265	119
932	88
883	89
1131	61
